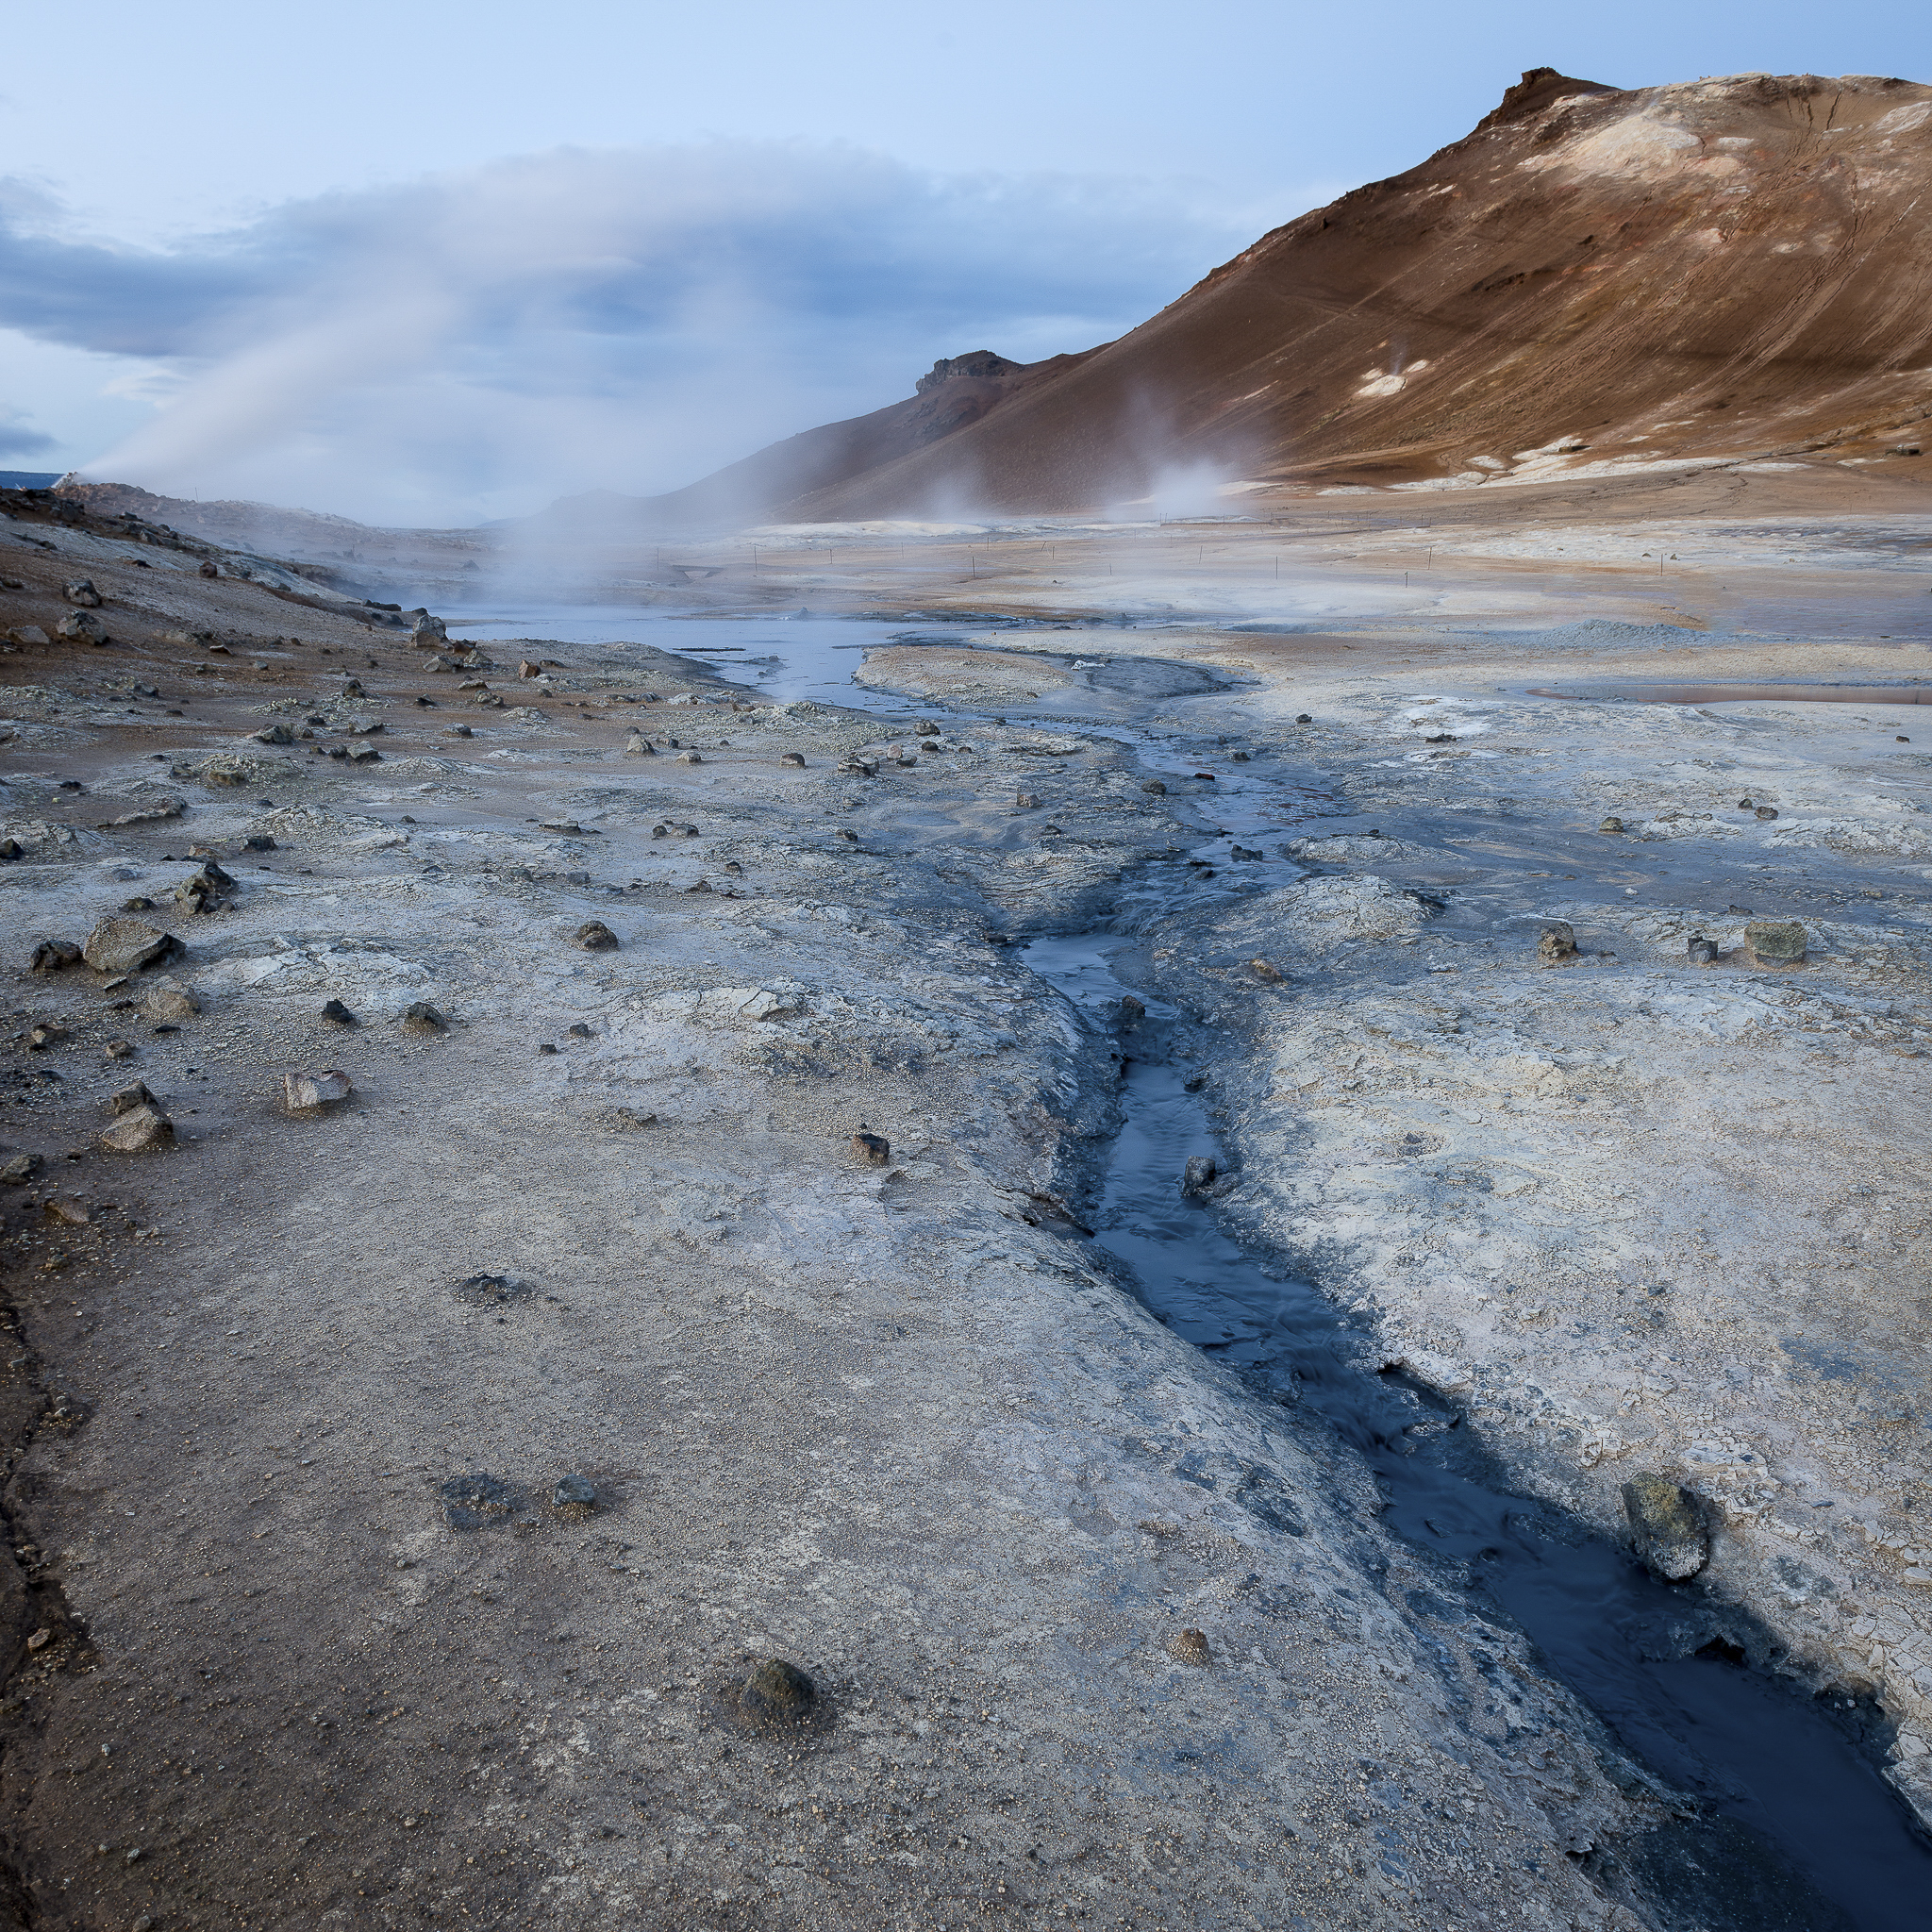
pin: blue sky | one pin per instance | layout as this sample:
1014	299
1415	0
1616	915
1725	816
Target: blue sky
431	262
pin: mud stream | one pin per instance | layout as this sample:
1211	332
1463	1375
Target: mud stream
1789	1822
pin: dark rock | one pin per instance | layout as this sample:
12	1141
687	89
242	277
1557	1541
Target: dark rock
120	1049
492	1291
1026	801
1156	787
1555	944
1767	811
364	755
12	848
1199	1174
82	623
575	1495
1701	951
40	1037
873	1149
777	1694
1245	852
131	1096
1667	1521
459	731
127	945
793	758
1132	1012
482	1501
1776	943
341	1015
209	569
596	937
1239	757
547	1046
421	1017
54	956
1612	825
82	592
313	1093
20	1169
927	730
275	734
1303	718
140	903
1265	971
580	1031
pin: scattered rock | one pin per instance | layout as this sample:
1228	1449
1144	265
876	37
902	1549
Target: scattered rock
873	1149
577	1030
140	1130
211	569
364	755
82	592
1199	1174
68	1211
258	842
40	1639
20	1169
459	731
1155	787
1668	1523
596	937
54	956
1026	801
311	1092
127	945
40	1037
169	1002
775	1693
28	634
1263	970
1303	718
1555	944
421	1017
82	623
573	1497
120	1049
1776	943
275	734
1188	1647
1245	852
341	1015
1767	811
482	1501
428	633
638	746
492	1291
1701	951
1611	824
689	757
794	758
131	1096
202	890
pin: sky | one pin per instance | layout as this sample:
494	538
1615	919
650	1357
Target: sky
429	264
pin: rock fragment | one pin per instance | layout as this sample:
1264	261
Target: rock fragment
638	746
204	890
19	1170
1667	1522
1776	943
1265	971
1555	944
139	1130
1767	811
127	945
1189	1647
873	1149
130	1098
82	592
777	1694
1155	787
596	937
54	956
1199	1174
794	758
1700	950
170	1002
421	1017
574	1497
83	625
311	1092
341	1015
1611	824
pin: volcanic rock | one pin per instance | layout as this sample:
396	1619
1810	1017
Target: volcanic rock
126	946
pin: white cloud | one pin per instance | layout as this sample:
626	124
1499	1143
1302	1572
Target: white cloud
472	345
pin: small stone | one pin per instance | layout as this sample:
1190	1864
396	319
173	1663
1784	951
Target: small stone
258	842
794	758
84	624
1239	757
43	1036
54	956
492	1291
1246	852
1701	951
40	1639
20	1169
776	1692
1775	942
203	892
421	1017
1611	824
547	1046
1667	1521
126	946
1265	971
82	592
1156	787
130	1098
12	848
596	937
574	1494
1303	718
1199	1174
28	634
170	1002
1026	801
120	1049
459	731
143	1129
69	1212
1188	1647
577	1030
1555	944
689	757
873	1149
209	568
275	734
1767	811
638	746
364	755
308	1092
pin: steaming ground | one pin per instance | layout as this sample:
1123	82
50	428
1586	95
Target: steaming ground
323	1644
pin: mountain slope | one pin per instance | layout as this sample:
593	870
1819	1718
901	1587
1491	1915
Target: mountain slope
1711	269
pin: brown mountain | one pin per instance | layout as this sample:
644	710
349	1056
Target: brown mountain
1725	267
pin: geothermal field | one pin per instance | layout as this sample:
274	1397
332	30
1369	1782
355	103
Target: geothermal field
1142	1189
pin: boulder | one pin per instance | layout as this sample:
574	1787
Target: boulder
169	1002
139	1130
202	890
596	937
873	1149
82	624
127	945
82	592
54	956
28	634
311	1092
428	633
1667	1525
1776	943
1199	1174
638	746
133	1095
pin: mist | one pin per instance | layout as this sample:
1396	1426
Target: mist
470	345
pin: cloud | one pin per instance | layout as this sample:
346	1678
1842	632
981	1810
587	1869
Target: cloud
16	439
626	319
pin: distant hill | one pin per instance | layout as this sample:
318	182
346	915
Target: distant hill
1593	275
